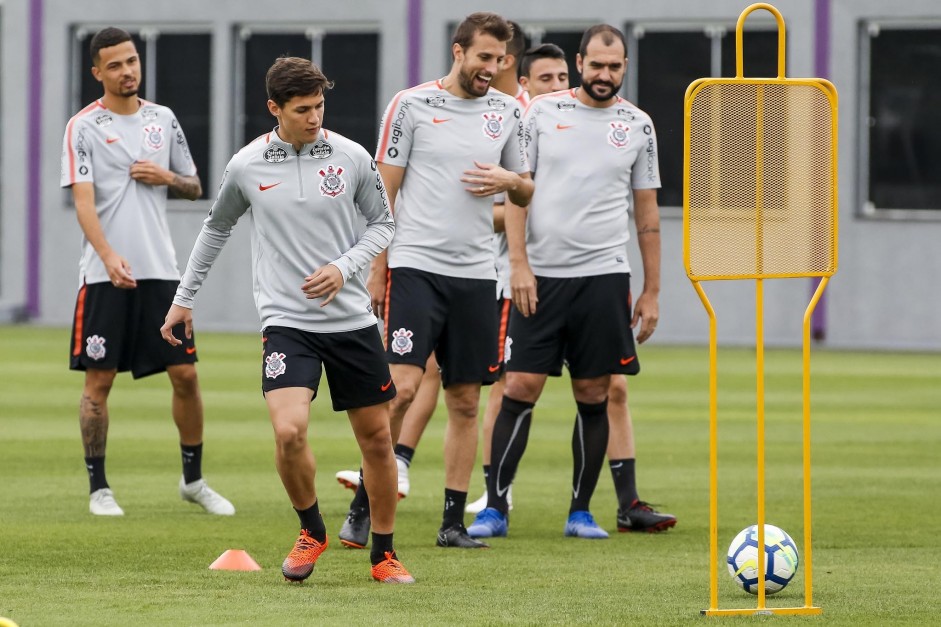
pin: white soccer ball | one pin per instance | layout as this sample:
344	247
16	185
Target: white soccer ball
780	559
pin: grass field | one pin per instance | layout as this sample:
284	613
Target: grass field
877	482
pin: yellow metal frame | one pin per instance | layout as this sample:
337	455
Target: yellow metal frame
830	92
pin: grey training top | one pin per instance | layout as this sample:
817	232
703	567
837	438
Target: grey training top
307	209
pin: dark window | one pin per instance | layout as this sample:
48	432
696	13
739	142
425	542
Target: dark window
185	92
759	54
350	60
904	139
667	62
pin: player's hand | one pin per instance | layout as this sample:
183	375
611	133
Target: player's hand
523	288
175	316
119	271
647	313
376	285
489	179
326	282
150	173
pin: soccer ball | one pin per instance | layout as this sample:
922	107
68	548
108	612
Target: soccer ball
780	559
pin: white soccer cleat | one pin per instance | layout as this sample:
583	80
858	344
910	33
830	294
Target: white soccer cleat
403	478
480	504
349	479
102	503
210	500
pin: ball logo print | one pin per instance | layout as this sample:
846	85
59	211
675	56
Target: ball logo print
402	341
95	347
274	365
780	553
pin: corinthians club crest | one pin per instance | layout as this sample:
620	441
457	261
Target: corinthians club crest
401	341
331	184
493	125
618	137
274	365
153	136
95	347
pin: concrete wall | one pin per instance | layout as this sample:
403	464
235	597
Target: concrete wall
883	296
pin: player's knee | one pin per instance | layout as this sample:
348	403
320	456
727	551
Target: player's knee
377	444
184	380
98	384
289	437
404	395
617	391
463	408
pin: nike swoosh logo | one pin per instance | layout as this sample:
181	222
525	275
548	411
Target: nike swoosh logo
562	127
615	467
440	120
516	427
262	188
624	362
383	388
111	140
190	350
493	368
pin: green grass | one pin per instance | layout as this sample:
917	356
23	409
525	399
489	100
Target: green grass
877	482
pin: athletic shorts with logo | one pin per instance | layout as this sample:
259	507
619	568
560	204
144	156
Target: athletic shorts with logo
118	329
454	317
356	367
584	322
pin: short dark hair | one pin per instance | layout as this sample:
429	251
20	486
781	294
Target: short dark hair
481	22
542	51
609	35
105	38
517	42
289	77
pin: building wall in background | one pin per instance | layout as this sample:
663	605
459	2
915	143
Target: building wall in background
883	296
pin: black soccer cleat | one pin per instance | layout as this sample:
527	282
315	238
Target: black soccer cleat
355	531
640	516
456	536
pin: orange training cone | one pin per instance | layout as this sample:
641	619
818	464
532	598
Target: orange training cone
235	559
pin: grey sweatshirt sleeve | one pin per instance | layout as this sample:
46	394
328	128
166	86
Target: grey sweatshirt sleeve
370	198
229	206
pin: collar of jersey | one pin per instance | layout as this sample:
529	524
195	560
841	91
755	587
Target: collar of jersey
275	140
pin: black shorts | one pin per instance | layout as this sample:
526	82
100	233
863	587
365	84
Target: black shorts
584	321
357	371
117	329
451	316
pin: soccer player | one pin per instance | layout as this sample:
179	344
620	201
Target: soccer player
439	149
590	151
120	156
309	190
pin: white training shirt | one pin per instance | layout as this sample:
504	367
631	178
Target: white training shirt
306	209
99	147
440	226
501	251
585	161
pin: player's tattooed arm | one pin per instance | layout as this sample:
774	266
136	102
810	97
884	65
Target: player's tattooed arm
187	187
645	230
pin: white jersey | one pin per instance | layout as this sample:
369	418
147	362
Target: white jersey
441	227
501	251
307	210
585	161
99	147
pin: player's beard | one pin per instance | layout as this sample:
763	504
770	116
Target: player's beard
594	95
466	81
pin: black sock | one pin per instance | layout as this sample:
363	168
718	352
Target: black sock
360	499
192	462
404	453
622	471
589	442
486	475
381	544
312	521
96	473
454	503
510	435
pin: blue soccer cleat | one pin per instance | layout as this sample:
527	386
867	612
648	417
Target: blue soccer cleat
582	524
490	523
